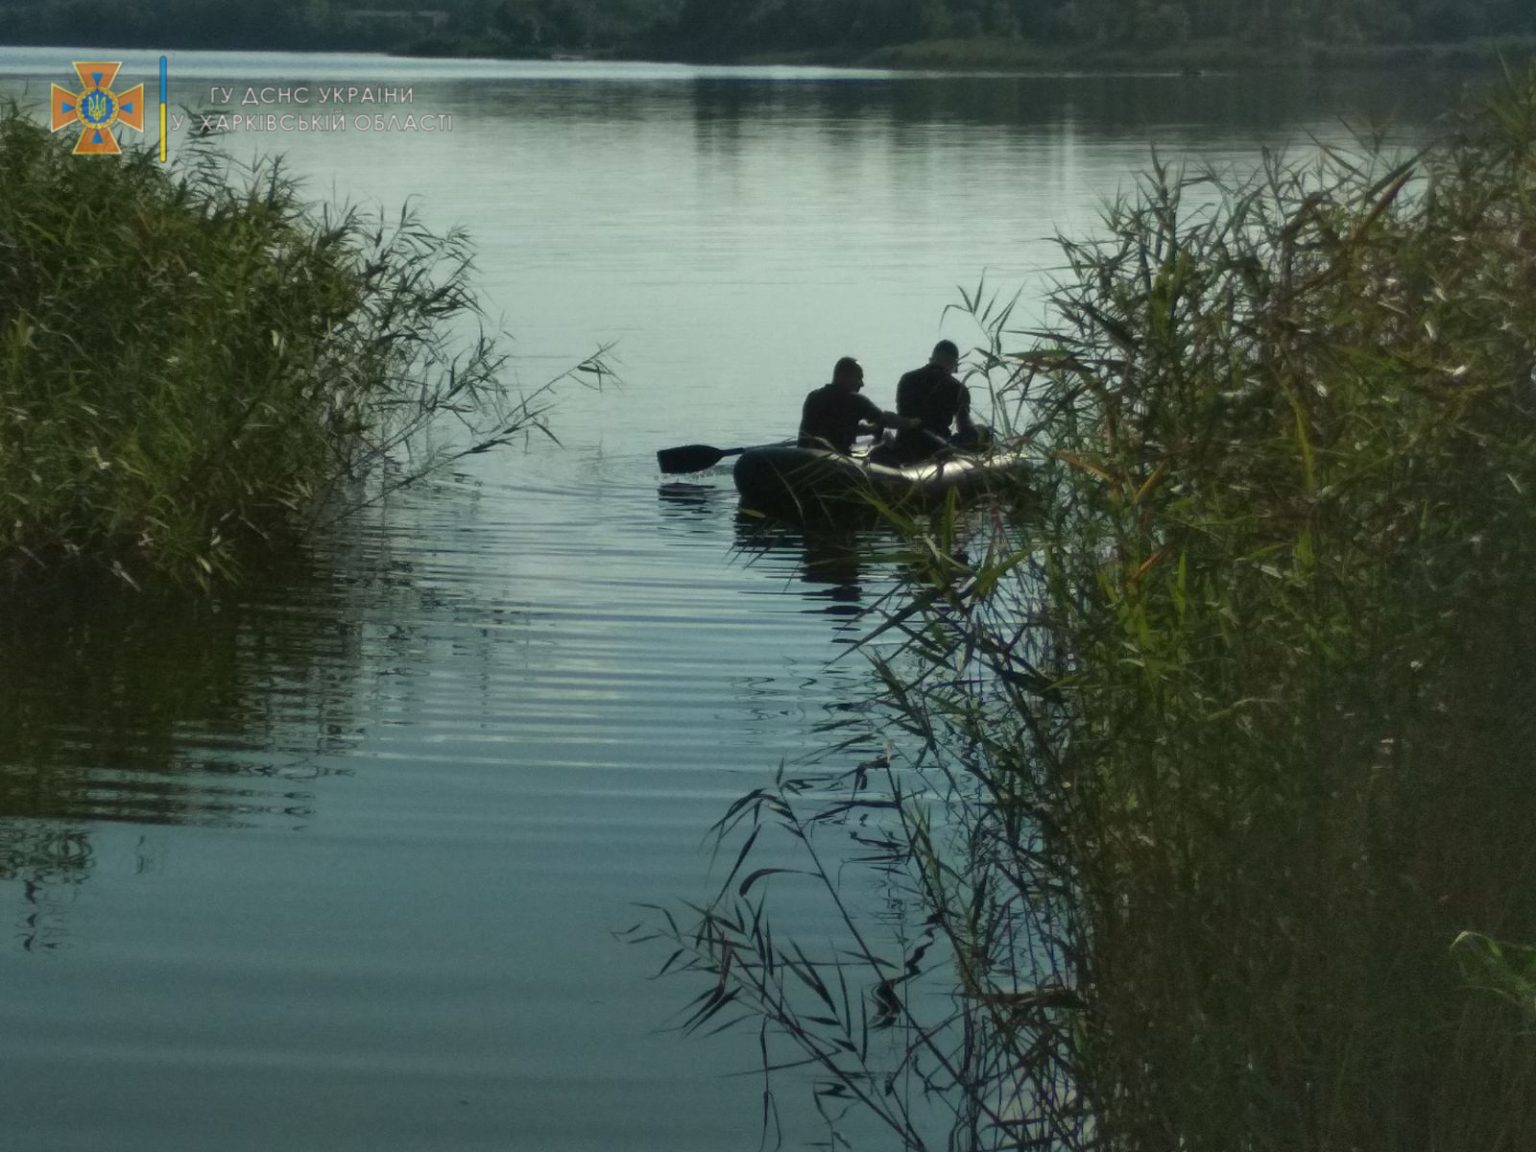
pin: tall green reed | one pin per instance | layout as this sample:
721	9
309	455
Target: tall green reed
197	361
1212	778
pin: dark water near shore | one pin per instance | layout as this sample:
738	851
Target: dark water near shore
337	863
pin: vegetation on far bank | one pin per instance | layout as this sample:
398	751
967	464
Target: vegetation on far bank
1213	55
896	33
193	369
1205	790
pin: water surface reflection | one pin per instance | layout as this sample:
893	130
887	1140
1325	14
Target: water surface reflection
354	843
834	567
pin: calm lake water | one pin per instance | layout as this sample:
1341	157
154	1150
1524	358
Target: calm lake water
337	864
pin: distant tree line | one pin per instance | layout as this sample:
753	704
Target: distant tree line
253	24
723	29
752	25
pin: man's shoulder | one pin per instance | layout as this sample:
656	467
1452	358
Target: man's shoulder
930	374
913	383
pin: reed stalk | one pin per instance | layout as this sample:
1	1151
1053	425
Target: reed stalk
196	365
1210	783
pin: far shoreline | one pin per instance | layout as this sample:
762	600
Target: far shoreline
1023	57
1214	56
979	57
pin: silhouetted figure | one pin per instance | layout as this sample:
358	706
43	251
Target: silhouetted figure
932	396
835	414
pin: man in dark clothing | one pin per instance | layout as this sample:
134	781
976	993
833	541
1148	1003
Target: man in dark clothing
936	399
835	413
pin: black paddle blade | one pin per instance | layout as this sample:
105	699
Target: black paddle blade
692	457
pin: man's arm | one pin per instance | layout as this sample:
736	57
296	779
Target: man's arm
873	415
891	420
808	422
963	425
870	413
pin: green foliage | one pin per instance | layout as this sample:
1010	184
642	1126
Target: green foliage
1219	768
1504	969
722	29
187	366
1291	444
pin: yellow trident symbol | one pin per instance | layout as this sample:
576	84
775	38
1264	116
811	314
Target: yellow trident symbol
96	108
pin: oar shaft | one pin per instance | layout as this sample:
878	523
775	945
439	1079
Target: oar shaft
697	457
693	457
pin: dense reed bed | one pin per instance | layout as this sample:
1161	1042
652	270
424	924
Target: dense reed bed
196	364
1211	783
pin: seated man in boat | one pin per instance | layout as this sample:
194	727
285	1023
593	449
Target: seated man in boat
935	399
835	414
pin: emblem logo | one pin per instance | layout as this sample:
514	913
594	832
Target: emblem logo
96	108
